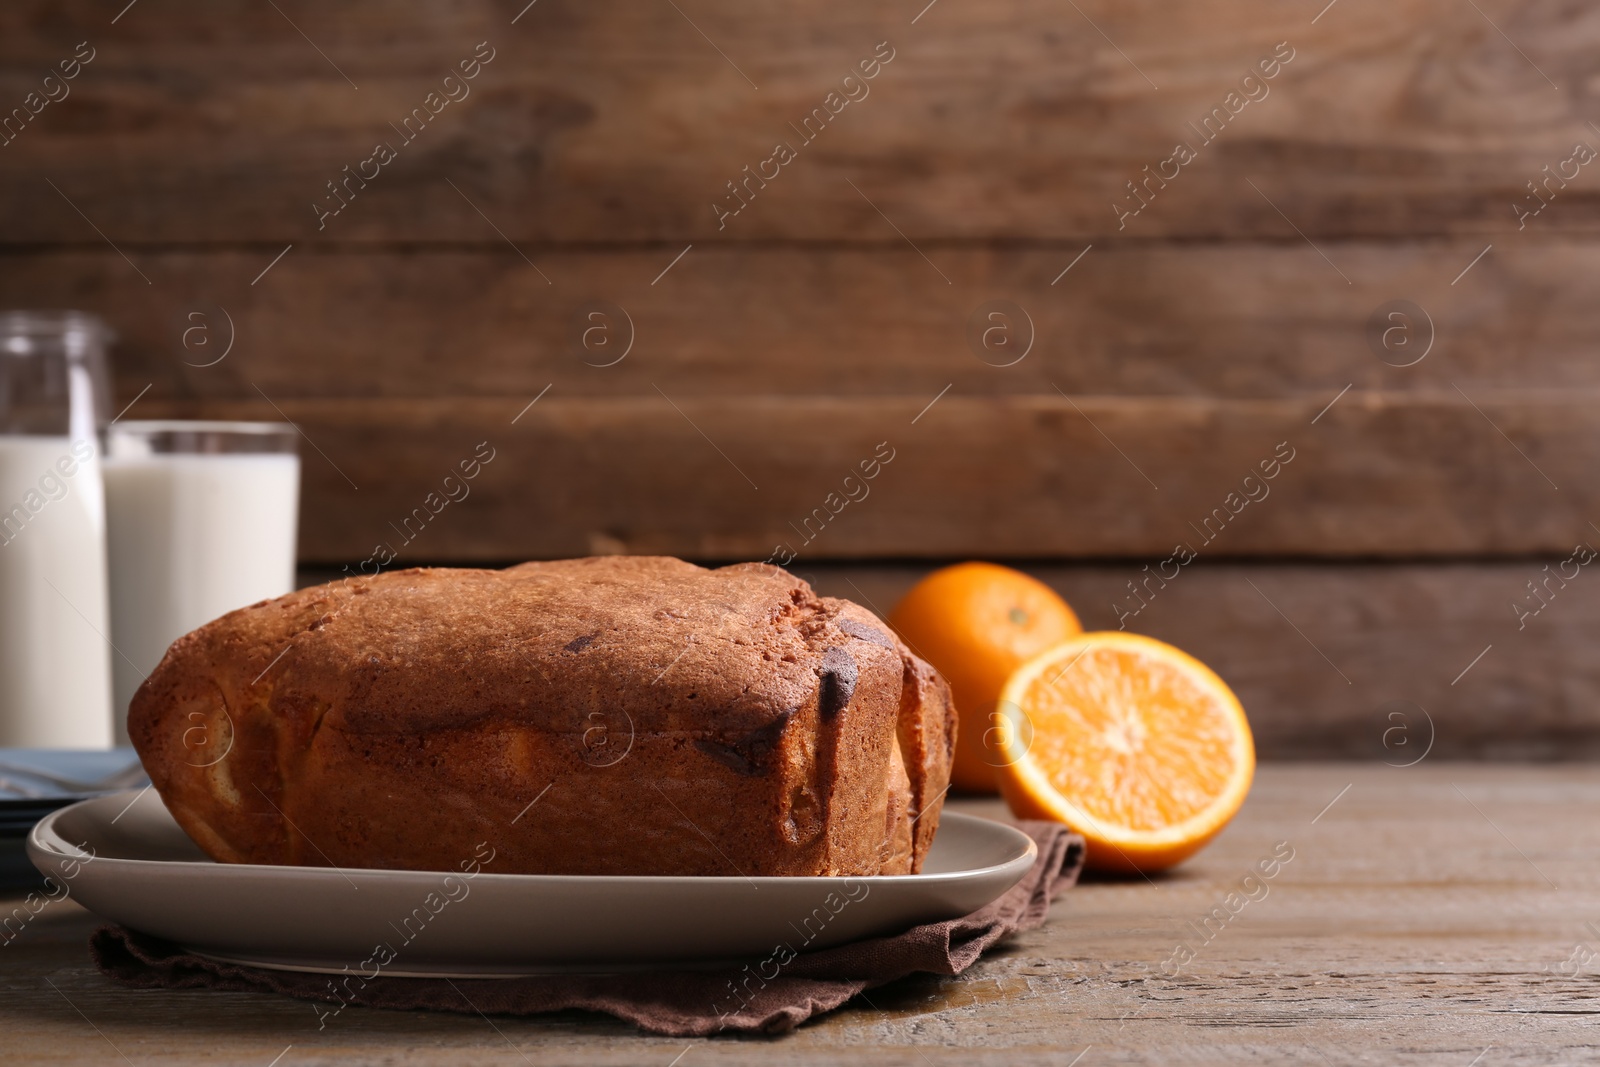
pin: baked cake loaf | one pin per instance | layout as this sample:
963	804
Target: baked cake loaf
615	715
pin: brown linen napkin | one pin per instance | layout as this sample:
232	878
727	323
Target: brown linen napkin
677	1003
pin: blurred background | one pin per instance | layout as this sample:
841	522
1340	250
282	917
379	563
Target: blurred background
1289	304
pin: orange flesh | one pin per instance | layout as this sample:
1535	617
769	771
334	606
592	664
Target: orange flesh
1130	739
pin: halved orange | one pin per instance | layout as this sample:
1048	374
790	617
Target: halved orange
1138	746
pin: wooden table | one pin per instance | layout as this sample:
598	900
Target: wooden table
1438	914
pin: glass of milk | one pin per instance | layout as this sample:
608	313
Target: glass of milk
201	519
55	659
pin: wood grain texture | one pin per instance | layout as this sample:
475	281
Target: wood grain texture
621	121
1407	926
788	343
1244	320
1028	477
1376	662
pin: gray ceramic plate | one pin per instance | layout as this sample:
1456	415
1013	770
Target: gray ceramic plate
147	875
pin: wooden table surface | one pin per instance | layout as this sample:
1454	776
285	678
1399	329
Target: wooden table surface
1437	914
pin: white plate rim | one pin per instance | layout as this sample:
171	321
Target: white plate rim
45	843
49	849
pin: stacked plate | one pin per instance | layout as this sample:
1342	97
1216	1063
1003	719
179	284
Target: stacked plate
35	782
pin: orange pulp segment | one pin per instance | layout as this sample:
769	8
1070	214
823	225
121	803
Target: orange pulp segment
1136	745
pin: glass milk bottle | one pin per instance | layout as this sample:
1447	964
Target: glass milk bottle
55	659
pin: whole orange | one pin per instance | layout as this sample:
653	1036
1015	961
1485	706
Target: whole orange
976	623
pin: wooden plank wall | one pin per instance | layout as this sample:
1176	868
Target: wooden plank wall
571	202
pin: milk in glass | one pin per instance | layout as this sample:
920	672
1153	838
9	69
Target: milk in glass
193	534
55	659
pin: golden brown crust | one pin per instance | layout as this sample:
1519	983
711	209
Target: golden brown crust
615	715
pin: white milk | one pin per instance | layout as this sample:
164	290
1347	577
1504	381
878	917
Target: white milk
192	537
55	662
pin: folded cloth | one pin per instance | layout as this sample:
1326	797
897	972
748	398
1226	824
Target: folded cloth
678	1003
